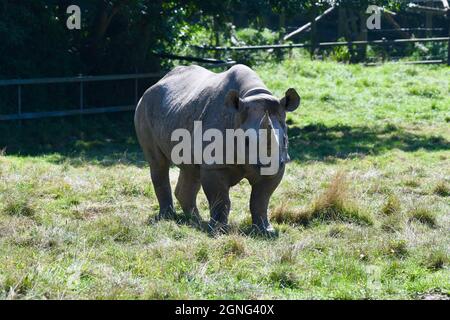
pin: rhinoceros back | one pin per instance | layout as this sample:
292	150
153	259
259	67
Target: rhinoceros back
192	93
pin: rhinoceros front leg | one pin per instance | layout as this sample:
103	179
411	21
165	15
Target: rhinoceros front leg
259	202
217	190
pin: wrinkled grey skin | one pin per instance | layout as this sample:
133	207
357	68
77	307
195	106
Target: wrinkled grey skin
236	98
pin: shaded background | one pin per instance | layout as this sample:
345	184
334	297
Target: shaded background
135	36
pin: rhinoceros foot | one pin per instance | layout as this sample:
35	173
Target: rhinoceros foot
216	227
165	214
265	230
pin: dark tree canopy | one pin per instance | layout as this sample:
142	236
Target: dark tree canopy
119	36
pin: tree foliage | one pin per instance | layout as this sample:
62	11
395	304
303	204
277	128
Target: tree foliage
120	35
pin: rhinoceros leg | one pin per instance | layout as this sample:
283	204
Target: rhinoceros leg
217	188
259	202
187	189
159	171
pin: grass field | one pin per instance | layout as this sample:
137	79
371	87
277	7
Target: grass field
363	211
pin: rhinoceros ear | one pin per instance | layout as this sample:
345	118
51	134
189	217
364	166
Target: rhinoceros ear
232	100
291	100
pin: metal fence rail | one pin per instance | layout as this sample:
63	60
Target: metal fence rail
81	80
81	110
382	42
325	44
49	114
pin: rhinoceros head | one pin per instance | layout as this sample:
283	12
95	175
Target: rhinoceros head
260	110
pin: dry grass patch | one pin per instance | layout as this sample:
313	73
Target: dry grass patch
392	205
233	246
393	219
412	183
442	189
286	214
90	210
337	231
284	276
437	259
334	204
423	215
397	248
17	204
287	255
392	223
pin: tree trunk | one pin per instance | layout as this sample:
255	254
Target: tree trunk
101	24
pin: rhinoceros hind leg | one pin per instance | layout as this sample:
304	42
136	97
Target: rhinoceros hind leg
187	189
159	171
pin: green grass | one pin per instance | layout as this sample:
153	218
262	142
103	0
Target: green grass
362	212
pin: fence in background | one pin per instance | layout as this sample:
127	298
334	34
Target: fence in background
212	63
82	80
348	16
326	44
335	44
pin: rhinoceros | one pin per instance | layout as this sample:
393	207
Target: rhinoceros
236	98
